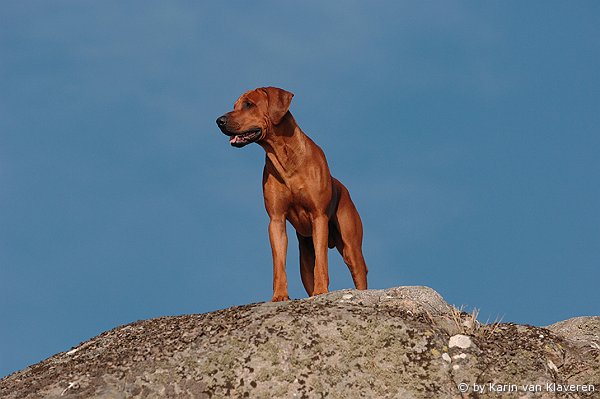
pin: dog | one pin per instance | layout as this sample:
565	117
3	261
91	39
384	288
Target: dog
299	188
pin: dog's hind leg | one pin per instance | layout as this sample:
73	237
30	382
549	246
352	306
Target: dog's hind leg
349	240
307	263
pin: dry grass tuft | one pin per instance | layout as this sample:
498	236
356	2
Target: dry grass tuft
468	323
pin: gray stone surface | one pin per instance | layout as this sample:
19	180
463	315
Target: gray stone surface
390	343
583	330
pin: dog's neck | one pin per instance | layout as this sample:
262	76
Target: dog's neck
285	146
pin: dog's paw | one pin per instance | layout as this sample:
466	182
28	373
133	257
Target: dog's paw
280	298
319	292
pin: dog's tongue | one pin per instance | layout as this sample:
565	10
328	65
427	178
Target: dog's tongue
233	139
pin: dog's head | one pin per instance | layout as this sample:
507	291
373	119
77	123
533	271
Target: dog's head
254	114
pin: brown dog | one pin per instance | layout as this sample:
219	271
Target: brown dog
297	186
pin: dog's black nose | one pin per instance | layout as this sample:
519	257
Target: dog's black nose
221	121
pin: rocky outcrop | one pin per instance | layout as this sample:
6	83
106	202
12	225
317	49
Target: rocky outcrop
404	342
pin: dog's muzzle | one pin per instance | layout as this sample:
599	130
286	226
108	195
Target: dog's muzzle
238	139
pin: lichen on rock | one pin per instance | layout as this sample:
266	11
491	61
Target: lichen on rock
401	342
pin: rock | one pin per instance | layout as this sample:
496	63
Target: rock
584	331
461	341
403	342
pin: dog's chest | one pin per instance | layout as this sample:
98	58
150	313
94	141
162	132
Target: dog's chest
299	209
299	198
300	218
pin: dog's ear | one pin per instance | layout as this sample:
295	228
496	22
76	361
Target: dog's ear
278	103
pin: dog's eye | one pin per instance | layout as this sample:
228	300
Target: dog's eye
248	104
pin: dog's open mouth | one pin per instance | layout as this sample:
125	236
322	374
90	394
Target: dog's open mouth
240	140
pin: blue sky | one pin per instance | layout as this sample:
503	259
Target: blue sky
467	133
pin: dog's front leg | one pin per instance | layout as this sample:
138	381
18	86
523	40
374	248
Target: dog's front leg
320	231
278	238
